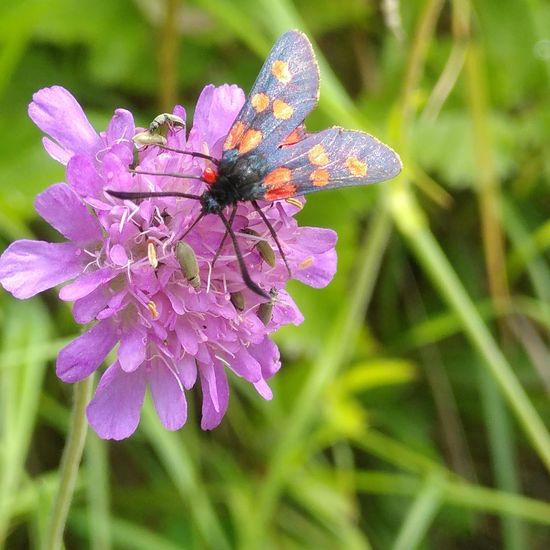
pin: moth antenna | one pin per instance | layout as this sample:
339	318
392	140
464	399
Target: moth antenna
272	232
242	266
135	195
170	175
190	153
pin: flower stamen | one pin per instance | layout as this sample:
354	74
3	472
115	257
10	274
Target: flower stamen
152	307
152	255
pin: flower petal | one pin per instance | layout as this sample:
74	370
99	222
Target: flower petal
319	272
64	210
116	174
87	308
264	390
83	176
214	383
121	128
245	365
285	311
315	240
267	354
86	283
86	353
168	395
118	255
187	371
119	135
178	138
29	267
313	257
131	352
55	151
215	112
187	337
114	411
57	113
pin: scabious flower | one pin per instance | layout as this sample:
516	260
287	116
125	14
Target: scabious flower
122	273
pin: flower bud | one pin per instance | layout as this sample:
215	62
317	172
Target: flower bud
188	263
237	299
263	247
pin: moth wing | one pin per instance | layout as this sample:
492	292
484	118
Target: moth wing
329	159
286	90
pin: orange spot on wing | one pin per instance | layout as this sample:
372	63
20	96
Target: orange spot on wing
234	136
278	177
280	71
356	167
281	192
317	155
278	182
282	110
250	140
319	177
260	102
294	137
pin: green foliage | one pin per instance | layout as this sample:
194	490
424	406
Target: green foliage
412	408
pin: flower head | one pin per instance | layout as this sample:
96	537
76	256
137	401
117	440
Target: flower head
120	263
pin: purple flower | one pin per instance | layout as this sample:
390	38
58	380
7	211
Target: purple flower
123	276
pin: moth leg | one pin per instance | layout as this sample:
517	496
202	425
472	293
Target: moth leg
242	266
225	235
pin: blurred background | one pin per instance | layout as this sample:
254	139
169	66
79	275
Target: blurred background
412	409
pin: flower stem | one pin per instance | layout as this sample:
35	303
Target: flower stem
70	463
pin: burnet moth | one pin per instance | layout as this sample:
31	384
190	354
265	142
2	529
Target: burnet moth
267	155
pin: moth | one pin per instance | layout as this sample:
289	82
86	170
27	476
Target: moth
267	154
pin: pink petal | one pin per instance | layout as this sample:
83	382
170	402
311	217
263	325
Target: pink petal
63	209
267	354
55	151
187	371
285	311
121	128
209	386
114	411
118	255
57	113
131	353
315	240
187	337
177	298
264	390
87	283
177	139
213	382
124	151
87	308
245	365
116	174
168	395
29	267
215	112
86	353
83	177
313	257
119	135
319	271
